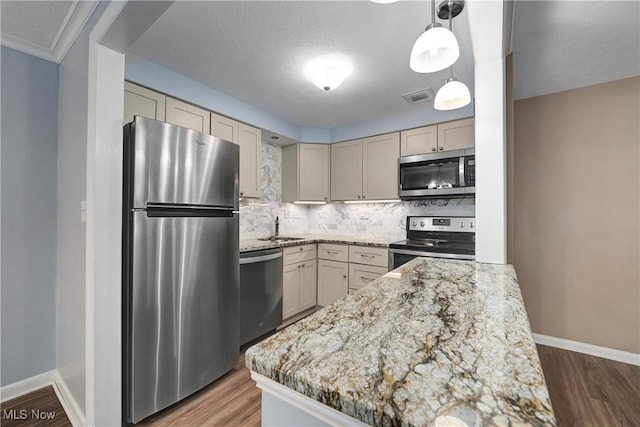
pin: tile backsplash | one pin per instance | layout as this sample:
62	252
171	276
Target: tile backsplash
380	220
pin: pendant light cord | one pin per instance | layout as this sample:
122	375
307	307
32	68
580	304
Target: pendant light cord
450	27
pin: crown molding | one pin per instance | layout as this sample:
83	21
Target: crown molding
78	15
27	47
76	18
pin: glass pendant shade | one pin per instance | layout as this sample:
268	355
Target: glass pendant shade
452	95
435	50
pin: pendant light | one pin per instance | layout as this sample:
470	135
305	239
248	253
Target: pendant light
435	49
454	94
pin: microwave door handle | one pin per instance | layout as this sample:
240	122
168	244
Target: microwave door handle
461	172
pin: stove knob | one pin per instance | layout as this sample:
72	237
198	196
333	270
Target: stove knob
413	223
471	224
461	224
421	223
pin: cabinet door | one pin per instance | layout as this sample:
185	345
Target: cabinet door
188	116
290	290
250	140
313	172
362	275
380	166
224	127
419	141
140	101
308	284
456	135
346	170
333	281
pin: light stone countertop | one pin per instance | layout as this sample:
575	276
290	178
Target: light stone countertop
247	245
434	338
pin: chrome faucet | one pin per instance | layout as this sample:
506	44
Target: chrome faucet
277	227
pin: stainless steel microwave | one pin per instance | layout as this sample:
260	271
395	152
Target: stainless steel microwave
439	175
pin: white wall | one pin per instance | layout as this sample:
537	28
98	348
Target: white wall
72	187
29	168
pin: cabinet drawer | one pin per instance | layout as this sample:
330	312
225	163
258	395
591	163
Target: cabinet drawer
298	254
361	275
333	252
369	255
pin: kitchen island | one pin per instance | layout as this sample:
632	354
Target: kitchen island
434	342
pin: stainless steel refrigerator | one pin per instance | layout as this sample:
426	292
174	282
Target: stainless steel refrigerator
180	264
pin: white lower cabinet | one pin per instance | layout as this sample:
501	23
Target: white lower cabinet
346	268
361	275
333	281
299	280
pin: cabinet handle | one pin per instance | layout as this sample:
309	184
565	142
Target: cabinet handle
325	198
441	148
366	279
367	256
333	252
298	266
363	196
301	248
358	196
344	276
433	148
302	266
242	193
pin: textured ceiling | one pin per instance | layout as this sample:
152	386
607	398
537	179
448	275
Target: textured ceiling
37	22
561	45
256	52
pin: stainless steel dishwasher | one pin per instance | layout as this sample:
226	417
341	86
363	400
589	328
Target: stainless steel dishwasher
260	293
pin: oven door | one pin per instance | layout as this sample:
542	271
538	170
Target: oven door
398	257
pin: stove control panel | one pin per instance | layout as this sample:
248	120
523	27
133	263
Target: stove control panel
438	223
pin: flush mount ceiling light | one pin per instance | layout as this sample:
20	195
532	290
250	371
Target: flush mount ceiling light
328	72
436	48
454	94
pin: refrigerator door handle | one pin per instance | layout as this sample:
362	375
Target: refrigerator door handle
154	211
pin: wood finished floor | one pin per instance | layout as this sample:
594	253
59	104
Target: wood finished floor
586	391
233	400
45	403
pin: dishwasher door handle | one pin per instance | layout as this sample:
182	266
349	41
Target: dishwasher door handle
251	260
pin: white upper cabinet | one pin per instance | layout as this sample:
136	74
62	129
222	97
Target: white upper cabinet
419	141
140	101
188	116
456	135
365	168
380	166
305	172
224	127
250	141
346	170
447	136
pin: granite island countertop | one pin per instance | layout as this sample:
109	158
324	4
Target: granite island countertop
247	245
431	340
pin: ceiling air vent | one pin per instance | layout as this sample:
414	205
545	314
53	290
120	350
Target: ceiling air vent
419	96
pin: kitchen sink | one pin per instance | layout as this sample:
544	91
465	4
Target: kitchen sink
279	239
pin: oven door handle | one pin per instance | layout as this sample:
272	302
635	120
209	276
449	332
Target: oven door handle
433	254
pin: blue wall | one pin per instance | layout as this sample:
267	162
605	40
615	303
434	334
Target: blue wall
29	213
154	76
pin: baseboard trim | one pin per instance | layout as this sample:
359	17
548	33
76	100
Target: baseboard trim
68	402
593	350
28	385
